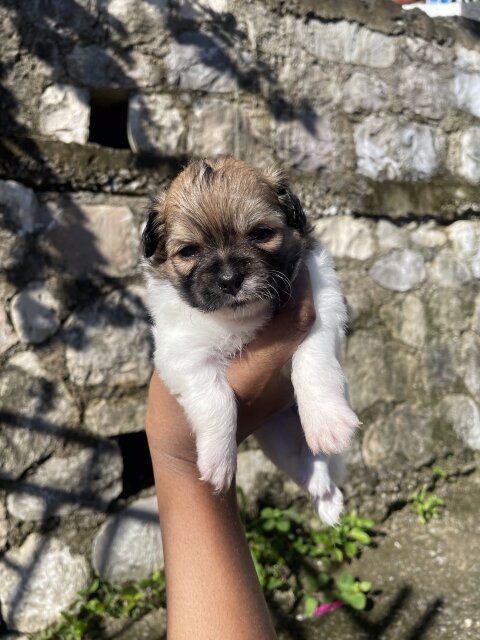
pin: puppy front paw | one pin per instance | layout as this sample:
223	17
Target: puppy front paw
330	428
217	465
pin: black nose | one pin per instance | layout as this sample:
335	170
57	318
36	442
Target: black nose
230	281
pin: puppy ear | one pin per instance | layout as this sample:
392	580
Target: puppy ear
153	236
289	203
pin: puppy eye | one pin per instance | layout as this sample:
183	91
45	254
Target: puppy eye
190	251
261	234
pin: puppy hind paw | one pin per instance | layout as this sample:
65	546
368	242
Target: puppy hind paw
329	506
330	429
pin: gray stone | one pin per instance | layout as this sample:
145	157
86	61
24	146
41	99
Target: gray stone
253	470
12	249
447	270
413	328
475	265
308	142
155	125
466	59
95	66
38	581
424	91
400	270
346	237
60	486
197	61
36	409
3	527
464	416
465	236
389	150
7	334
470	356
65	113
402	438
466	161
390	236
363	92
81	238
195	9
428	235
213	128
110	417
438	367
129	544
109	343
448	314
466	92
425	50
152	626
136	20
35	313
19	205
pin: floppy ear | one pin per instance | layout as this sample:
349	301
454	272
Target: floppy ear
153	236
289	203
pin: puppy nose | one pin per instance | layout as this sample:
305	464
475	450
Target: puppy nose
230	281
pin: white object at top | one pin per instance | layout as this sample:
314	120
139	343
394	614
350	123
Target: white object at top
439	8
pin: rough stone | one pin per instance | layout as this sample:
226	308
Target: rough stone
152	626
390	236
19	206
476	316
413	328
35	313
400	270
446	313
447	270
363	92
346	237
38	581
3	527
402	438
389	150
424	91
465	236
129	544
111	417
438	368
428	235
466	161
194	9
65	113
464	416
475	265
254	469
213	128
471	362
466	92
108	342
94	66
81	237
7	334
308	142
60	486
155	125
197	61
136	20
36	409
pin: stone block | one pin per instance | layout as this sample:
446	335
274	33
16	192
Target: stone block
196	9
86	238
7	335
136	21
91	478
428	235
465	153
3	527
129	544
413	330
197	61
307	142
424	91
464	416
19	207
346	237
465	237
390	236
400	270
38	581
35	313
213	128
113	416
364	92
108	342
448	270
466	92
389	150
37	410
470	358
155	125
65	113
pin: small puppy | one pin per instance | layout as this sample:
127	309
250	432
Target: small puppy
222	247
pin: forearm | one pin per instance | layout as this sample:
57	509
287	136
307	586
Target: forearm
212	586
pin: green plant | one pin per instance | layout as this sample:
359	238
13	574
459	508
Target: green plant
101	601
426	505
290	553
439	472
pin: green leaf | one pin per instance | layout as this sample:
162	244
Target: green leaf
345	580
361	536
283	525
351	549
310	604
268	525
355	600
338	555
268	513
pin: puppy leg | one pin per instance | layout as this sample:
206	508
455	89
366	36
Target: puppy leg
320	385
283	441
209	403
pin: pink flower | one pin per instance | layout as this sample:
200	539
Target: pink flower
329	606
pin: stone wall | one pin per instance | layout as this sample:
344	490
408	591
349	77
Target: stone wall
374	114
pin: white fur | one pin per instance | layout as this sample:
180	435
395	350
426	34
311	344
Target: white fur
192	352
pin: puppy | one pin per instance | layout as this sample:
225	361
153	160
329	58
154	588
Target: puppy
222	247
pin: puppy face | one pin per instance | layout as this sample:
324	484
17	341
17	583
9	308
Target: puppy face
226	235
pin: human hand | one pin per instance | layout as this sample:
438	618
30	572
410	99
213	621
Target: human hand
255	376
